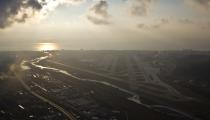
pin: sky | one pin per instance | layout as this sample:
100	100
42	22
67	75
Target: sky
105	24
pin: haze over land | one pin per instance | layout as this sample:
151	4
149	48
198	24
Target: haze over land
105	24
104	59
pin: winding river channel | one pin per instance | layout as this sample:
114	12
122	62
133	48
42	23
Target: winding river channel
133	96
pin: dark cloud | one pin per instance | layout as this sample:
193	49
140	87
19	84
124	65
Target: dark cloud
12	11
100	8
34	4
139	7
98	14
9	9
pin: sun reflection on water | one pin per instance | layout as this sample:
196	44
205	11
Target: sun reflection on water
46	46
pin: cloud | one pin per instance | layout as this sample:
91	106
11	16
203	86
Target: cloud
206	25
139	7
157	24
98	13
10	11
160	22
141	25
164	20
203	5
17	11
186	21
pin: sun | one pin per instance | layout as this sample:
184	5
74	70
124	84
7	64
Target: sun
47	46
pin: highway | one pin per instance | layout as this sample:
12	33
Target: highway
170	89
135	97
152	72
88	71
69	115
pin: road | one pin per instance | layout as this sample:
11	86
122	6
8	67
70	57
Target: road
131	73
69	115
88	71
169	88
152	72
135	97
